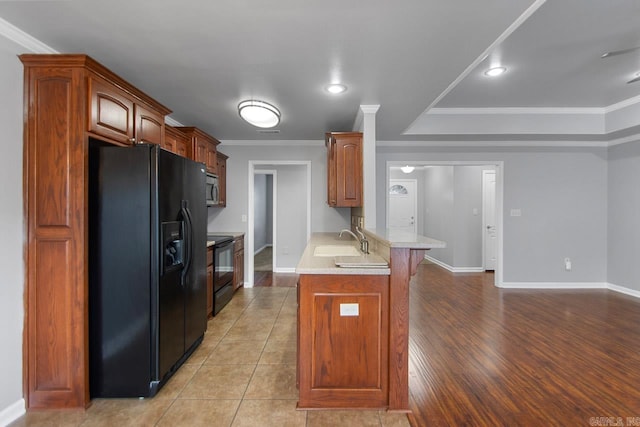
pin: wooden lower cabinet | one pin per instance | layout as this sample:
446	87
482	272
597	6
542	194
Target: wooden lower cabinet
343	341
210	281
238	262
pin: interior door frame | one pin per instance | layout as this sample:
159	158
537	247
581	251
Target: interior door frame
484	219
249	282
415	201
499	168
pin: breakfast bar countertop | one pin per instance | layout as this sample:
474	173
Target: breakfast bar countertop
310	264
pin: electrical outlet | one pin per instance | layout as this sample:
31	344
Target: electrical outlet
567	264
244	218
285	250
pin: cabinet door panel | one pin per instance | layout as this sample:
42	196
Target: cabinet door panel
149	126
222	179
200	149
169	142
344	169
343	334
349	172
111	113
212	158
181	148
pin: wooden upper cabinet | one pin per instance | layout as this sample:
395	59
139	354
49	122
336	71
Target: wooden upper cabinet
344	169
222	179
118	116
111	112
212	158
175	141
68	99
149	126
202	148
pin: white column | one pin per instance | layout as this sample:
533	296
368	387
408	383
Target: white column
369	164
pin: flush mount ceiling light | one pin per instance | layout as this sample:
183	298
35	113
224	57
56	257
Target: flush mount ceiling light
407	169
495	71
336	88
259	113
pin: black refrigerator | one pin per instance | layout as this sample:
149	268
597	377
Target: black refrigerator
147	264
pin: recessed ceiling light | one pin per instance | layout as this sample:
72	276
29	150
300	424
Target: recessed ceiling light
336	88
259	113
495	71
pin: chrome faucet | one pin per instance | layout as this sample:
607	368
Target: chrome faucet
350	232
364	243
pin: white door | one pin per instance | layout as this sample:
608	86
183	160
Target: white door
402	205
489	226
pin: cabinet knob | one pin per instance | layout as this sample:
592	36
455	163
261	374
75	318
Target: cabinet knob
132	140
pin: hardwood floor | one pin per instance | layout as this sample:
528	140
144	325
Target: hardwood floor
480	355
484	356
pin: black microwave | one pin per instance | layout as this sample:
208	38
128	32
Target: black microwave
213	191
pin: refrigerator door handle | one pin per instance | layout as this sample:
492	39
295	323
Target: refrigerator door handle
188	236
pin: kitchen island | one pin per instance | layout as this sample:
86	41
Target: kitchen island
353	322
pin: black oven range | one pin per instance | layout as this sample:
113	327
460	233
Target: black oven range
223	271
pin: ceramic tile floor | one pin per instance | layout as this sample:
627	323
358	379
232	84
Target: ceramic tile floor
243	374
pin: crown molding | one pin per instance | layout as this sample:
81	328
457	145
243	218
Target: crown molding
487	144
172	122
622	104
271	143
23	39
514	110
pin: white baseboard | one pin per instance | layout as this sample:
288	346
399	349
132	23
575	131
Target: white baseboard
284	270
268	245
553	285
454	269
623	290
12	412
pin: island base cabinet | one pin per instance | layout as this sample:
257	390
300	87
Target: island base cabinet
343	336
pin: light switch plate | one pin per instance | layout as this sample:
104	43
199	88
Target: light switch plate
349	309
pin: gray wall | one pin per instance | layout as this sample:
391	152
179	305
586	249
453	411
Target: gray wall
624	215
467	196
562	194
11	225
323	217
438	204
291	226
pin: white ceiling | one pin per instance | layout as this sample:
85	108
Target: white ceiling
201	58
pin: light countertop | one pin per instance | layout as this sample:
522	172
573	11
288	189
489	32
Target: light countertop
403	239
310	264
381	240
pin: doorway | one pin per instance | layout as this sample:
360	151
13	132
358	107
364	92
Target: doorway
403	205
456	204
291	213
264	215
